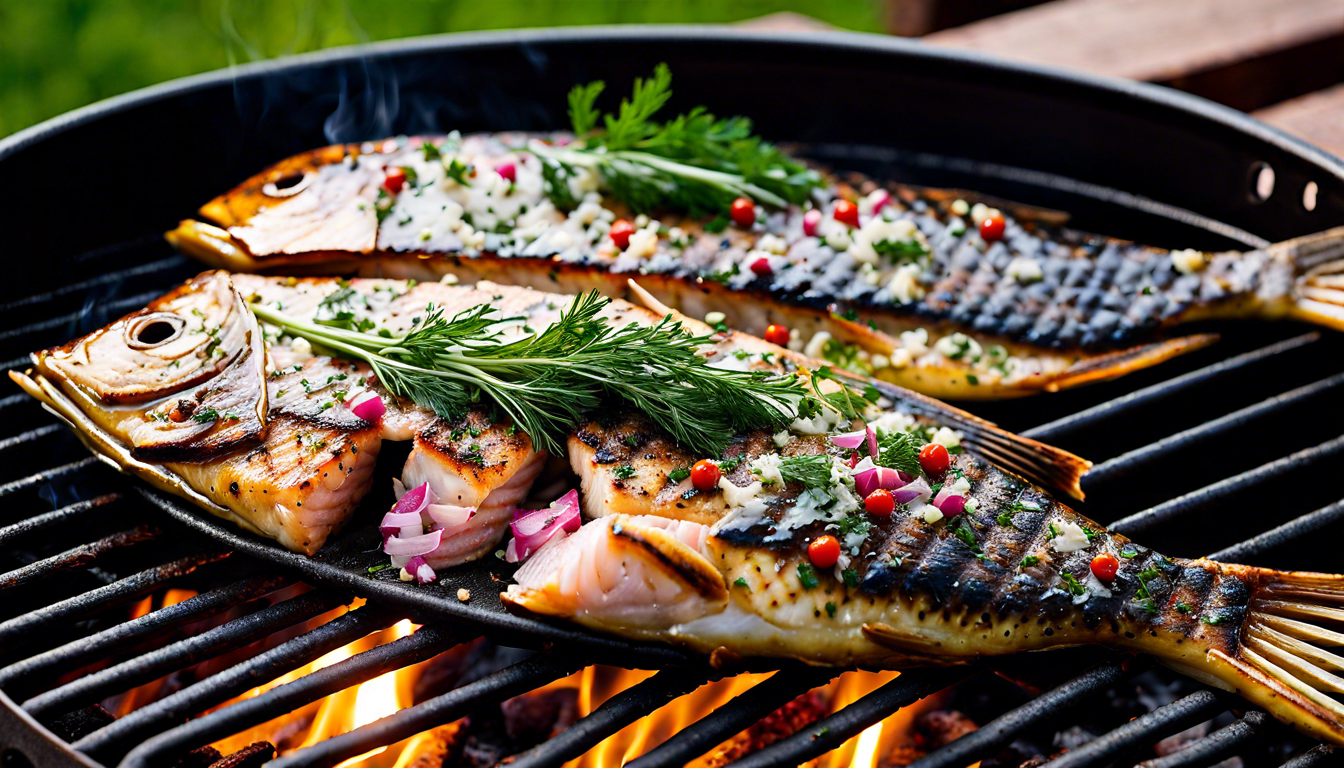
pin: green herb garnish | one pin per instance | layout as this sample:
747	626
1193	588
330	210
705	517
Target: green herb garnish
812	471
851	577
741	582
807	575
547	382
1030	560
624	472
899	450
695	162
679	474
830	610
1072	585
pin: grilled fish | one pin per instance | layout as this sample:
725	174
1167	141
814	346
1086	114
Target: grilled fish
190	395
946	293
734	575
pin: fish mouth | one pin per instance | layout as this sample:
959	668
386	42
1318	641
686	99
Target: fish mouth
153	330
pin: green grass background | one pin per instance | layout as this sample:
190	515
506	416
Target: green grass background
56	55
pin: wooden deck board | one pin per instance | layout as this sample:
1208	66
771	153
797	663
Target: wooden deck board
1317	117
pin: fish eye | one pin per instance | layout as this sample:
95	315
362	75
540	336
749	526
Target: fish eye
154	330
288	185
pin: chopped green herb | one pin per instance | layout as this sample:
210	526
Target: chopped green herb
830	610
624	472
812	471
851	577
899	450
377	568
679	474
741	582
807	575
1071	584
1183	607
1030	560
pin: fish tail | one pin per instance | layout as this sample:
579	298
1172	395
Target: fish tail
1317	265
1285	655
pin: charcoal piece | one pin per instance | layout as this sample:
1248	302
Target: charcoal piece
76	725
253	755
535	716
201	757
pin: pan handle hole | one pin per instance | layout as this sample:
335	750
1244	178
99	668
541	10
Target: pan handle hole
1309	193
1262	182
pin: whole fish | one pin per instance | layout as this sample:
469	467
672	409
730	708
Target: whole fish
743	571
947	293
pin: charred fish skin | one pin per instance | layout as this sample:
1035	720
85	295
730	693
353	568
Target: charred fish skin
906	288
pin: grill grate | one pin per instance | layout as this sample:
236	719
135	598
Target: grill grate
111	548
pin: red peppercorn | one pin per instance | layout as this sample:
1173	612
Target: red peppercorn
621	230
743	212
880	503
847	213
934	459
761	267
394	180
1105	566
824	551
991	229
777	334
705	475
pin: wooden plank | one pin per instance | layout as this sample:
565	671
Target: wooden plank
1317	118
1245	53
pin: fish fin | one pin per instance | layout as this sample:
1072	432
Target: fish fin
1317	263
909	648
1284	661
212	245
1045	465
1115	364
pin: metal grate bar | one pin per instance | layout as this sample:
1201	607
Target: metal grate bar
1146	729
1320	756
29	436
81	606
1275	537
82	556
526	675
615	713
832	731
106	278
732	718
108	309
122	636
1221	491
180	655
998	733
1111	469
45	476
425	643
1120	406
108	744
55	518
1217	746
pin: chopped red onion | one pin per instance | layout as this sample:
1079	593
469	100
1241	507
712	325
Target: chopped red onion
952	505
448	515
418	568
534	528
849	439
508	171
415	500
423	544
870	480
879	199
915	489
811	220
872	442
369	406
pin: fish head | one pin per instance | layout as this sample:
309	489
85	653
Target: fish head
190	367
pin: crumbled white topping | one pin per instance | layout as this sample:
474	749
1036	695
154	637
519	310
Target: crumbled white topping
948	438
781	438
449	279
766	467
714	318
1071	537
882	361
870	274
959	346
772	244
916	341
980	212
961	207
1025	270
835	234
643	243
302	350
738	496
892	421
930	513
905	286
814	347
959	487
879	230
901	358
971	505
1188	261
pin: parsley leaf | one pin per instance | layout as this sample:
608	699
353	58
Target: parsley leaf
807	575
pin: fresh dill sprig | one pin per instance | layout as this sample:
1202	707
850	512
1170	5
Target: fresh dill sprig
695	162
547	381
812	471
899	450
